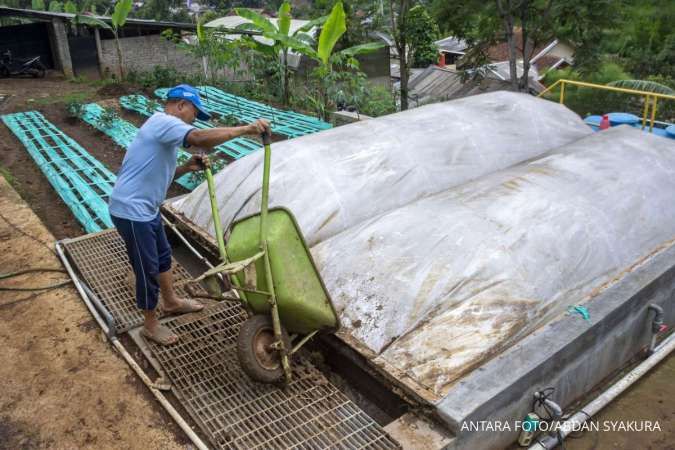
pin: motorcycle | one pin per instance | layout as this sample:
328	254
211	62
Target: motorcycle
13	67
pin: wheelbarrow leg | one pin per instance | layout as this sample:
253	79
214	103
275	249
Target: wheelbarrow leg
276	323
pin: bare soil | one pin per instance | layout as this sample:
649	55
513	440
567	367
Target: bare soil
62	385
49	96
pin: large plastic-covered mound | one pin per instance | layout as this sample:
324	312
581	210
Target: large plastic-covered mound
439	285
447	233
337	178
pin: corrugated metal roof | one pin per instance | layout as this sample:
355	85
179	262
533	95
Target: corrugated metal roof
452	44
49	15
440	83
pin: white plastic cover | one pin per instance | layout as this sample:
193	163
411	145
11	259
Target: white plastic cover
437	250
336	178
439	285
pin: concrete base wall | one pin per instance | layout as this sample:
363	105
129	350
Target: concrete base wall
572	354
58	40
143	53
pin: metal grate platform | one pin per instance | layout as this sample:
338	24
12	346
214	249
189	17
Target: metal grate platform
102	260
236	413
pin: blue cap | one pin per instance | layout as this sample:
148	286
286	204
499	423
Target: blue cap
190	94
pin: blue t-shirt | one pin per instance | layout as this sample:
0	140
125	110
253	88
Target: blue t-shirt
148	168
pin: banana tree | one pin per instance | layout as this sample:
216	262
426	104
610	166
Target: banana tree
117	20
278	33
331	32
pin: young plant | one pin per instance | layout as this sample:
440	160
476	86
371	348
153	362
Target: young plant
108	118
74	109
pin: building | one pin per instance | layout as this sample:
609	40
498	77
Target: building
84	50
451	49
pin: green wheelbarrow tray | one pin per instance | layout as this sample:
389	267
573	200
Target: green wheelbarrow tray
302	299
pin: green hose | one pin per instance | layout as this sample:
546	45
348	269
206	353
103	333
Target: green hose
4	276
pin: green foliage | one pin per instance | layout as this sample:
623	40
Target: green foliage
332	30
484	23
644	40
422	32
644	85
586	101
228	121
122	10
38	5
108	118
55	6
83	19
70	7
74	109
377	101
4	172
161	77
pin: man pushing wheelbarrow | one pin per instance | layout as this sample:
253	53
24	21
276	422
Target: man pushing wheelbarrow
148	169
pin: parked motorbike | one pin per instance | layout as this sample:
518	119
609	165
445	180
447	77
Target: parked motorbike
15	67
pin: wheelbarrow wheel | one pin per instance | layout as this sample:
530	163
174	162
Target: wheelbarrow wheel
258	360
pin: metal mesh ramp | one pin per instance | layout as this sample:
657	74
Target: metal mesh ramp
287	123
236	413
102	261
235	148
81	181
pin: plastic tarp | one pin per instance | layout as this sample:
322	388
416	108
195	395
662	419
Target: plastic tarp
337	178
438	286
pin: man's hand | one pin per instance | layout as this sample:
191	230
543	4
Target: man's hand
197	162
259	127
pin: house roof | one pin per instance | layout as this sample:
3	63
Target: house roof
442	83
49	15
452	44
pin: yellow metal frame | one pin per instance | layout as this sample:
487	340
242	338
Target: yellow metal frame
648	96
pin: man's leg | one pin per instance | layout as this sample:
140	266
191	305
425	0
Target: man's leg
170	302
140	241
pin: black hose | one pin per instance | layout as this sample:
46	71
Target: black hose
5	276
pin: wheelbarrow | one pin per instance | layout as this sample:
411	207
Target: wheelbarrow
269	265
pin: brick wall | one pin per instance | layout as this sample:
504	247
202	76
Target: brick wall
142	53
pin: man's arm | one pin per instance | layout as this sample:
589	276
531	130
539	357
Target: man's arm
211	137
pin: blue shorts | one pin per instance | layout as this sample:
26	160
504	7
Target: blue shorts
149	254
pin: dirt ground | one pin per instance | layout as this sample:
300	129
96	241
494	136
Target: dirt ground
49	96
62	385
650	399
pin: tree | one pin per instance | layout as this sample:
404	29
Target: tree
399	25
326	56
38	5
422	34
580	21
279	34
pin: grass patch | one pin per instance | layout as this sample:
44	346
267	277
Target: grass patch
4	172
74	97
